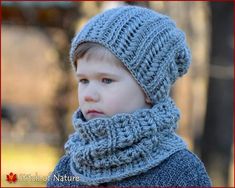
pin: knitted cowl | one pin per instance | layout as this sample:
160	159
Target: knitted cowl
112	148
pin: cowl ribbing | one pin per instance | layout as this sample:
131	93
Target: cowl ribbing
110	149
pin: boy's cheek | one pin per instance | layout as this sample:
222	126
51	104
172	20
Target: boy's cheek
115	105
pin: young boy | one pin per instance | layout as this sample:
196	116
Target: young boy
126	60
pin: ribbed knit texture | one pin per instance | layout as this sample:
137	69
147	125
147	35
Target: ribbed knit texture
149	44
126	144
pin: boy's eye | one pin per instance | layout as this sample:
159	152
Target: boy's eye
83	81
107	80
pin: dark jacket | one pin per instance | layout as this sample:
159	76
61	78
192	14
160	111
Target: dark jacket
183	168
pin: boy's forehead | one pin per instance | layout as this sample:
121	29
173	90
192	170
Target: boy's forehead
98	66
102	54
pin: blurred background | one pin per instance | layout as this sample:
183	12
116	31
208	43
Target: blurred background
39	89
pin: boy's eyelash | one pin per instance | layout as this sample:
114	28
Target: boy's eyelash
107	80
82	80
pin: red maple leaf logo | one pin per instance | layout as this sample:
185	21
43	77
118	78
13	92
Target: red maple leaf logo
11	178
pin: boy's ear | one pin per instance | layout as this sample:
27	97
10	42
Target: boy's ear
147	100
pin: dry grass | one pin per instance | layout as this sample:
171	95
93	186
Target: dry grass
34	160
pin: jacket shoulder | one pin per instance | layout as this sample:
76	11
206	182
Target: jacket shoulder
191	170
182	168
61	175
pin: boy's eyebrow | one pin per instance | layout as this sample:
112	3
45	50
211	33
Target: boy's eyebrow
79	75
97	74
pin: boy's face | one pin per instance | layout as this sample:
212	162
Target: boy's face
105	88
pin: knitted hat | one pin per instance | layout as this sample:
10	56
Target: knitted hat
148	43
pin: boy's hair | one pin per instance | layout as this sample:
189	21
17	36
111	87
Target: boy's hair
96	50
147	43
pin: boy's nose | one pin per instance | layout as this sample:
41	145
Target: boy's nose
91	95
91	98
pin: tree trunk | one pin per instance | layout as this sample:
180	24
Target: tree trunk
217	137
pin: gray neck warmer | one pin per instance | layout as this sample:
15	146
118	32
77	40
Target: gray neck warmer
110	149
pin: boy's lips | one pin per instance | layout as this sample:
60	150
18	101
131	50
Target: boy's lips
94	112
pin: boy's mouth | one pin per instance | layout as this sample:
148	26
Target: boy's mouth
94	112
